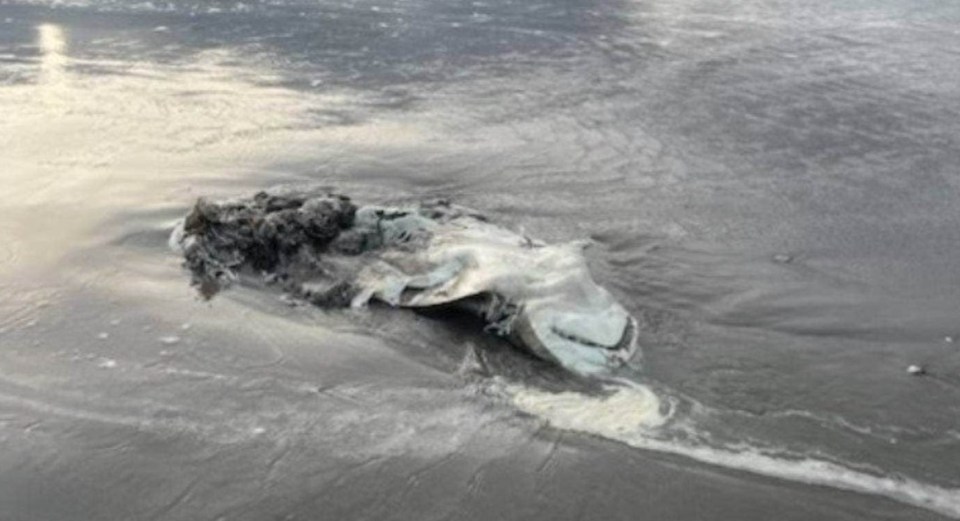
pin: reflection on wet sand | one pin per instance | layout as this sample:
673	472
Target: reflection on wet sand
90	137
53	58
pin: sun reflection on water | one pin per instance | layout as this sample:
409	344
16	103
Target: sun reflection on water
91	137
52	43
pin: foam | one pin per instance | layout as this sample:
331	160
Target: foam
633	415
623	411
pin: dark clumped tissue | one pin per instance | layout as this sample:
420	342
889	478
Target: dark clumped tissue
281	236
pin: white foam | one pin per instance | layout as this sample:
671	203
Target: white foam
625	410
632	415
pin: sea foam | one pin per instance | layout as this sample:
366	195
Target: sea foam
635	415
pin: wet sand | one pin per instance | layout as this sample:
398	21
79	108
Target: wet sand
770	191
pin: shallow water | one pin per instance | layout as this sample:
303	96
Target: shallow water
770	188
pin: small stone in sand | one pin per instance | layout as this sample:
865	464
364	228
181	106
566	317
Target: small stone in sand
103	335
916	370
108	364
169	340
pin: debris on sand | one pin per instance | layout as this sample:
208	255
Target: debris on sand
321	248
